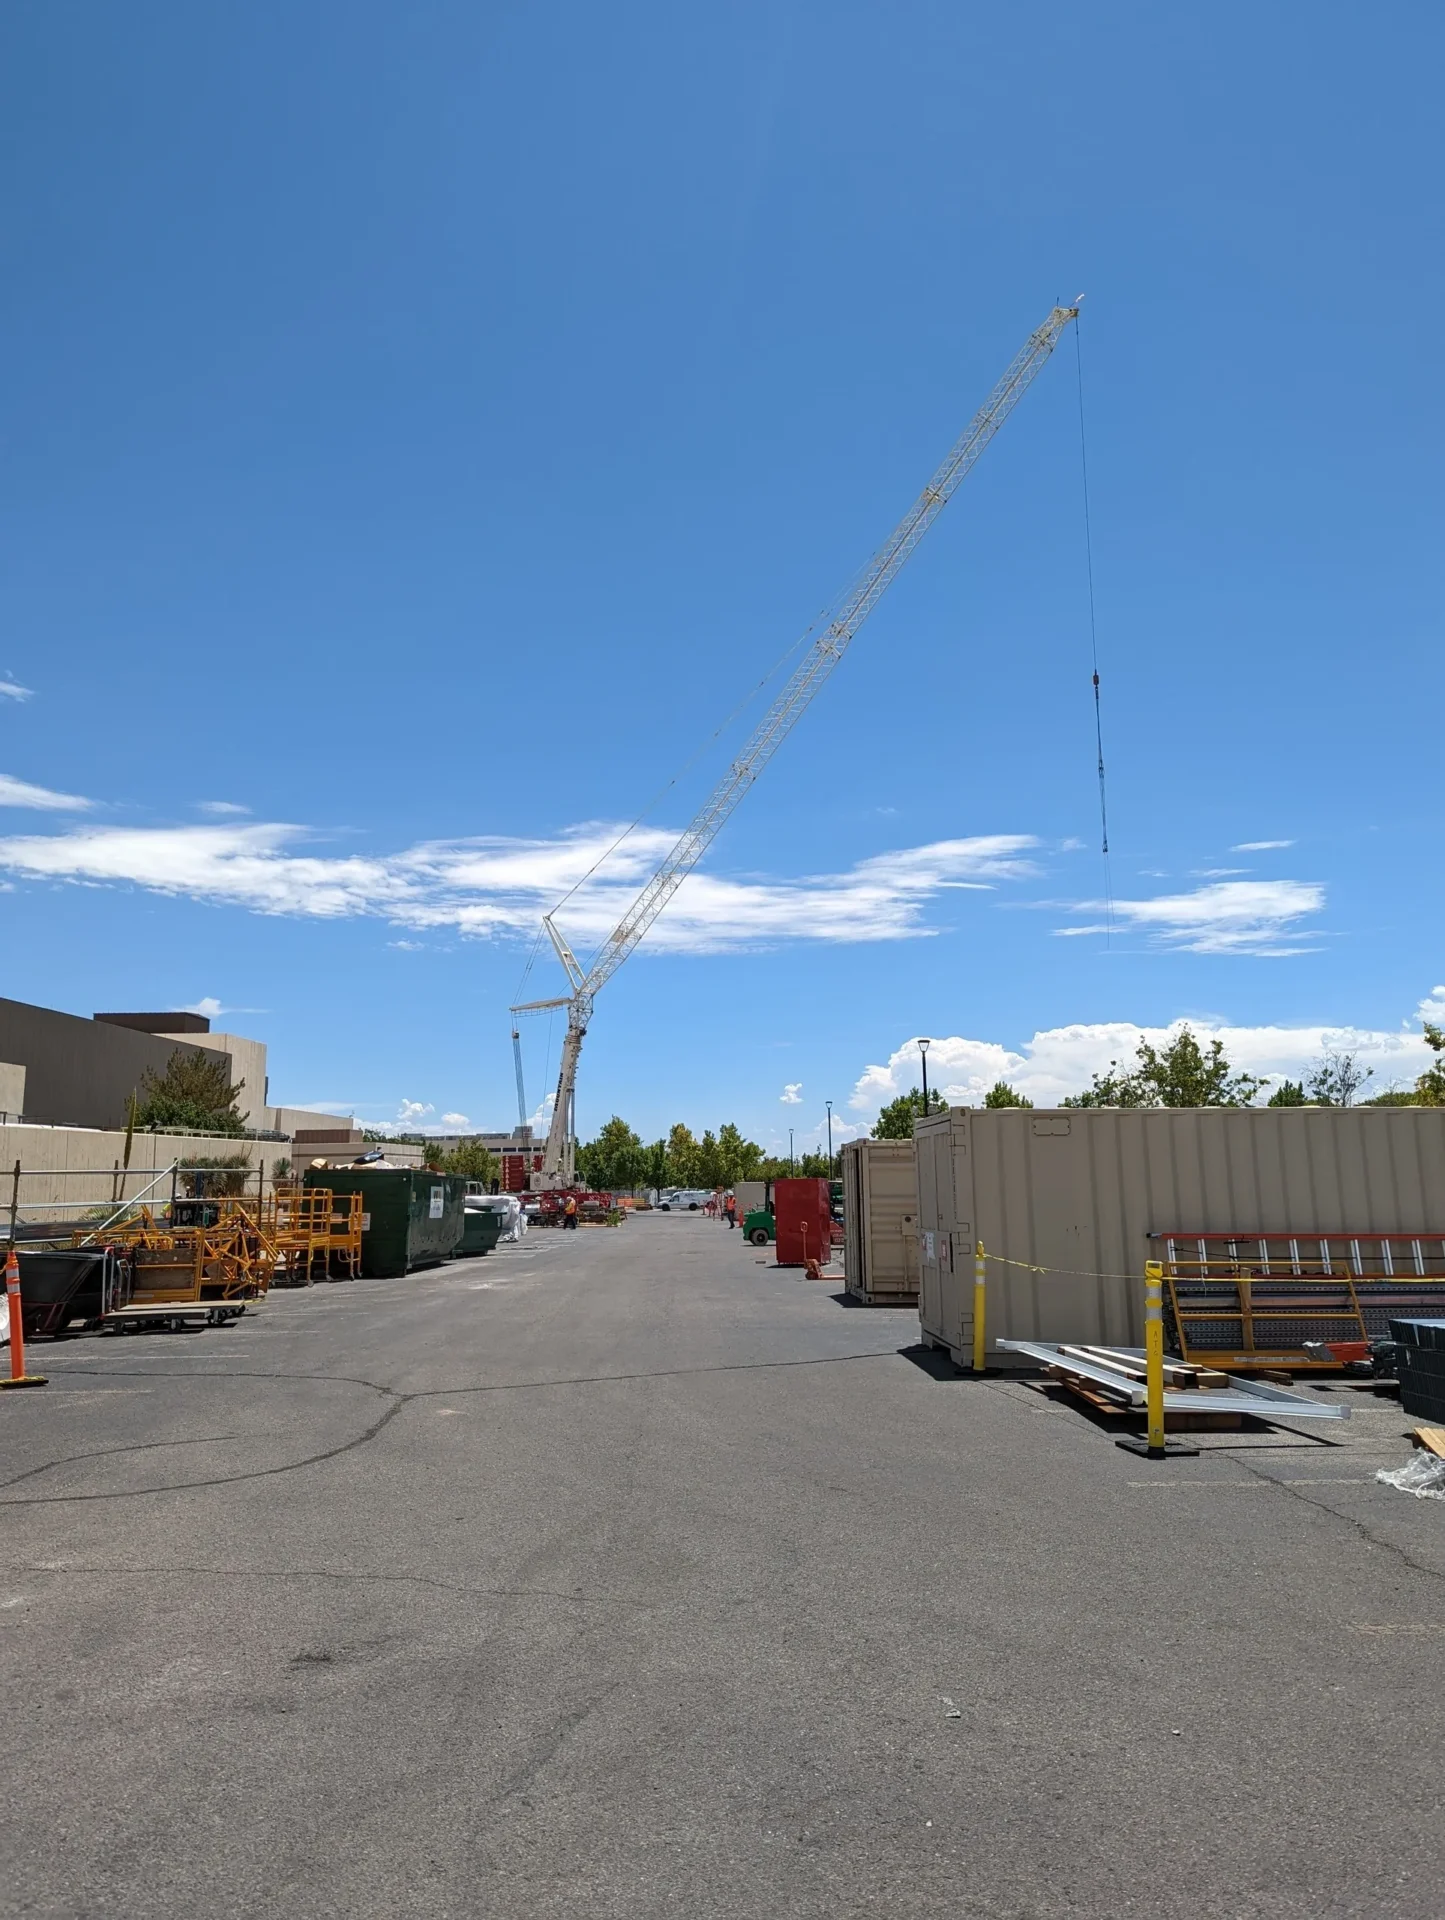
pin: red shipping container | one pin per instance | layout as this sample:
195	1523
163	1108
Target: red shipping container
803	1212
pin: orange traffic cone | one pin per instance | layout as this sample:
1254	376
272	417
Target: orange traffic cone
18	1376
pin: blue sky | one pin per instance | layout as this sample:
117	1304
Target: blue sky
425	424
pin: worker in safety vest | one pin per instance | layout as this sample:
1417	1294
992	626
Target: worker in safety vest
730	1208
569	1211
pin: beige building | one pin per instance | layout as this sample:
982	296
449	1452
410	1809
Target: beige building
62	1070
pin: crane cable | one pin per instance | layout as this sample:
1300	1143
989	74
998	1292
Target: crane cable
1094	641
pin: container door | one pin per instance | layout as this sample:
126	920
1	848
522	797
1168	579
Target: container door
934	1150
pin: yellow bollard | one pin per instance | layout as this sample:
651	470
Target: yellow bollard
1154	1445
979	1275
1154	1355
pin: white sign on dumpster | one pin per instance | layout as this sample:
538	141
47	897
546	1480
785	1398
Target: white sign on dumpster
438	1202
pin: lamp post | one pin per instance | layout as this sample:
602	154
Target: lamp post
791	1167
829	1105
923	1047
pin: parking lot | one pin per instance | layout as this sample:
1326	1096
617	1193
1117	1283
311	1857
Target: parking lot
622	1573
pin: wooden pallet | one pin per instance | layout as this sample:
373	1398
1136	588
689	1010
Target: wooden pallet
1201	1422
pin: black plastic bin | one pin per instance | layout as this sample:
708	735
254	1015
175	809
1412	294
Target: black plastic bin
56	1288
1420	1363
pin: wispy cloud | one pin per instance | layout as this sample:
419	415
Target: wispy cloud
1260	917
792	1094
1062	1060
221	807
20	793
492	886
1260	846
12	690
455	1120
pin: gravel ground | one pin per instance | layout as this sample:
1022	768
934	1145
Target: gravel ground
620	1574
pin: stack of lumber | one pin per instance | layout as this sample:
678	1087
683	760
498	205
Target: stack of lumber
1179	1376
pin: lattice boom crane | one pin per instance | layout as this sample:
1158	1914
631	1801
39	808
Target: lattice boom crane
831	634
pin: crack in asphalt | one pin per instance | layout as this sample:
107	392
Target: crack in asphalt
217	1480
1356	1526
398	1401
106	1453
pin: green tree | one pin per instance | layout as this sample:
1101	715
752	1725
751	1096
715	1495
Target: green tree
681	1157
654	1165
708	1161
1337	1078
1430	1087
1397	1097
1001	1094
775	1167
195	1091
473	1161
896	1120
1289	1093
216	1174
1181	1074
738	1159
613	1162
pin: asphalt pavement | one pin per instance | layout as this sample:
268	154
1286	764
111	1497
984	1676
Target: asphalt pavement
622	1574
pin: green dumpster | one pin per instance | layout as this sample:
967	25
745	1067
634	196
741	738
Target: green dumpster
410	1218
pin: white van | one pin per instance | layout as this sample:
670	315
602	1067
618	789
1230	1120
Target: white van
683	1199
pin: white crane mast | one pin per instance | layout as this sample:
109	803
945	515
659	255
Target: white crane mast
831	636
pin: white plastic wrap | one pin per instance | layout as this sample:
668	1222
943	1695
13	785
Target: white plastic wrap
1423	1475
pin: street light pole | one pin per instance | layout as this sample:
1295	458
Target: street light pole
923	1047
791	1167
829	1105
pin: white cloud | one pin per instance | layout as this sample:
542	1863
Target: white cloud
492	886
209	1008
1232	916
1062	1060
410	1111
12	690
792	1094
1260	846
455	1120
20	793
221	807
408	946
1216	873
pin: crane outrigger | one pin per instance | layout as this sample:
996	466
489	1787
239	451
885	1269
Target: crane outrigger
831	635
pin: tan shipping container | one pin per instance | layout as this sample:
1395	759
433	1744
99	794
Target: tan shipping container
1079	1191
880	1221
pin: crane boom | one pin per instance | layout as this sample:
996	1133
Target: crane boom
831	635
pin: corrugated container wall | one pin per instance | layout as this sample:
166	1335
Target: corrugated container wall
1080	1191
803	1212
880	1221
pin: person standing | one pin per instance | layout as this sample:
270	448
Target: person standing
730	1208
569	1212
